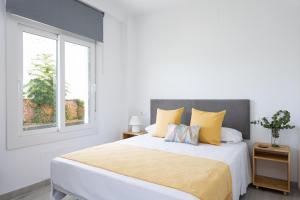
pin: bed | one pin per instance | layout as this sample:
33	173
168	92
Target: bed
87	182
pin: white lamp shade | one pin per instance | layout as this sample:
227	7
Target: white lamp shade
135	121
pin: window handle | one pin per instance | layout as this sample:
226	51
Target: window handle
94	88
20	89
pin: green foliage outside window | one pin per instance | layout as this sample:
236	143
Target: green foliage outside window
41	88
80	109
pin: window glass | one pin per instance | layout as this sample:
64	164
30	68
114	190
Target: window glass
76	84
39	82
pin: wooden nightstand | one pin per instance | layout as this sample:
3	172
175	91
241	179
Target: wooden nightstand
129	134
280	154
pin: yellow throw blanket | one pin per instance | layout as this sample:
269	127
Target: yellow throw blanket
204	178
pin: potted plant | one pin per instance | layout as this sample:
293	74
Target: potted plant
280	121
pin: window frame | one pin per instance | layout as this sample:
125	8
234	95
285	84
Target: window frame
16	136
34	31
92	84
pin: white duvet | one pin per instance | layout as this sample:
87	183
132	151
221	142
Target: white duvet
97	184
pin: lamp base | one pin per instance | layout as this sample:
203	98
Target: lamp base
135	129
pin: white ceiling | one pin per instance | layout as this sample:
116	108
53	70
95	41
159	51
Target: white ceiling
144	6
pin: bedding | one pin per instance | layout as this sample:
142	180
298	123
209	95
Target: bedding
94	183
228	135
211	123
142	163
231	135
164	118
183	134
150	129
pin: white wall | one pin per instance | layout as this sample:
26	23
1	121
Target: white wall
114	9
22	167
216	49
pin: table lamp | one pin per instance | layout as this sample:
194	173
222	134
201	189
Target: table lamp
135	123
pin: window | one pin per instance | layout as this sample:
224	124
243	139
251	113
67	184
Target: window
39	82
51	83
76	84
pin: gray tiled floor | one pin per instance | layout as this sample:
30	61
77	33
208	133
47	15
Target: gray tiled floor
265	194
41	194
252	194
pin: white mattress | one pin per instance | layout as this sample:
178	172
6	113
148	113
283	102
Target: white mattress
97	184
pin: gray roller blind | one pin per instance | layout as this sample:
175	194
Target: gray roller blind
69	15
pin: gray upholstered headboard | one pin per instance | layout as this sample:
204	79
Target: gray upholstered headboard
237	111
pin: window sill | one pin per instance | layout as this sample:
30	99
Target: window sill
15	141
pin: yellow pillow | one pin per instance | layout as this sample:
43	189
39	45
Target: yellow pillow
164	118
210	125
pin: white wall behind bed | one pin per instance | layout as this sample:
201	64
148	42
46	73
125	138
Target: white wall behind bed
215	49
26	166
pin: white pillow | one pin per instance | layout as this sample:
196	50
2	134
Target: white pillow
151	128
230	135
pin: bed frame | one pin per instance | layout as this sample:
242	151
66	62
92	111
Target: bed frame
237	111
